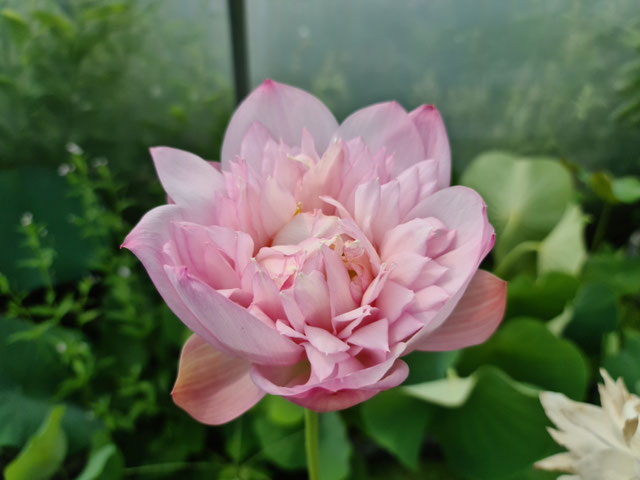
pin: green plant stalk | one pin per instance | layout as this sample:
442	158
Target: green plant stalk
311	443
513	256
601	227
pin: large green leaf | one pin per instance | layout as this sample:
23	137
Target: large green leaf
625	362
105	463
527	351
44	194
595	312
282	412
499	432
446	392
564	249
43	455
525	197
626	189
425	366
620	272
544	297
334	449
397	423
282	446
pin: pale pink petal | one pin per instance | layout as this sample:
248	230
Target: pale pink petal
312	296
463	210
416	183
367	206
284	111
324	341
276	207
323	178
147	241
368	376
322	365
375	287
475	317
375	335
253	144
393	299
189	180
404	327
285	329
292	310
202	257
386	125
346	322
322	400
266	295
236	329
431	128
388	215
338	281
430	298
409	237
212	387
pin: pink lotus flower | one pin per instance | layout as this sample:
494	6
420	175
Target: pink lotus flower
317	256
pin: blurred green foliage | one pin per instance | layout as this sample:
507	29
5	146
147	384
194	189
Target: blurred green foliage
89	351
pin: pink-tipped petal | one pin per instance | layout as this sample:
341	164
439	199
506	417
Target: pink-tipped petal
189	180
386	125
475	317
435	141
284	111
236	329
212	387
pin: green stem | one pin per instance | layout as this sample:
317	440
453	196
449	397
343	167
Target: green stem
514	255
601	227
311	443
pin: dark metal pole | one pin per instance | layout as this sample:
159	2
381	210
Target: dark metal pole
239	48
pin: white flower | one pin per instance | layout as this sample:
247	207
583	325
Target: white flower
603	443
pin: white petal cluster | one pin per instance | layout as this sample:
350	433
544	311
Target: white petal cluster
603	443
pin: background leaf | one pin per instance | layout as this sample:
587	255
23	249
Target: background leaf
334	449
595	313
564	249
44	453
525	197
397	422
528	352
514	421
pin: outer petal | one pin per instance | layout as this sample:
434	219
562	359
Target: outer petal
212	387
284	111
386	125
462	210
235	328
147	241
189	180
434	140
475	317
